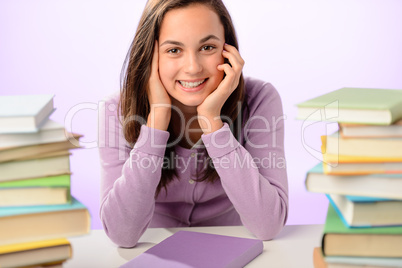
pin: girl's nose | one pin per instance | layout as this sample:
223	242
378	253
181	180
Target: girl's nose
193	64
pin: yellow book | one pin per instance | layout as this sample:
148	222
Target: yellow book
35	253
339	164
333	158
342	158
369	147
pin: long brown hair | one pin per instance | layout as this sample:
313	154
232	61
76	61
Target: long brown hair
134	104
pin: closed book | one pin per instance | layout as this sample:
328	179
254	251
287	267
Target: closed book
340	158
371	185
51	131
53	190
36	253
185	249
24	113
367	212
363	262
371	131
339	240
318	259
57	163
371	147
35	151
342	164
27	224
354	105
352	262
361	168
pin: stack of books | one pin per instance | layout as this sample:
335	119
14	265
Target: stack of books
37	211
361	174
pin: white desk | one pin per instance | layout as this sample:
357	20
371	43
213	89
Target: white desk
293	247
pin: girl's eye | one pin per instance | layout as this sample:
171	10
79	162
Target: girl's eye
207	48
173	51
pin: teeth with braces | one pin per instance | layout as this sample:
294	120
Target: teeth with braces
191	84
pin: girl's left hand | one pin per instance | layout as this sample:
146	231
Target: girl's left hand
209	110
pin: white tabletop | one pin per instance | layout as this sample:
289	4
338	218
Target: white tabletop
293	247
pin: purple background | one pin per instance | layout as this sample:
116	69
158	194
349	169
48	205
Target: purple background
75	50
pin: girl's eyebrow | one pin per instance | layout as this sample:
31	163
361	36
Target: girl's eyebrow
171	42
211	36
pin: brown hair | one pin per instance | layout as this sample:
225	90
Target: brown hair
134	104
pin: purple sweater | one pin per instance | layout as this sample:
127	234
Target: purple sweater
252	189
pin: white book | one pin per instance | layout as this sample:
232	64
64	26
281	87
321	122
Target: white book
50	132
24	113
345	262
367	212
371	131
33	196
53	164
37	150
372	185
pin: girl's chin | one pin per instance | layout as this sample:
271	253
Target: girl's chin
188	102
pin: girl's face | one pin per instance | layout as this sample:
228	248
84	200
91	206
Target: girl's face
191	41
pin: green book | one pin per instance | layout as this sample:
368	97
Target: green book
339	240
354	105
53	190
52	181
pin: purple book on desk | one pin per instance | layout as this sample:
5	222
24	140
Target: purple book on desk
186	249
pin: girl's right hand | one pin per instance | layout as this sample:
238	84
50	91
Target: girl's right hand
159	100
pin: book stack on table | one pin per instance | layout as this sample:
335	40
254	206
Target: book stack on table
37	211
361	175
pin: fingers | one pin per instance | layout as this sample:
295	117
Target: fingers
155	63
233	55
157	94
232	71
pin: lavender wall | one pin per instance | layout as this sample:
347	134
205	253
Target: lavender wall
75	50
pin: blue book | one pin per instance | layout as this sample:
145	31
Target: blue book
31	223
366	211
354	198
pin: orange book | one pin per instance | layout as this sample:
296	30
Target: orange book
318	259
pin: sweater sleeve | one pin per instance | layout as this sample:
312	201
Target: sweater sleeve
129	177
253	175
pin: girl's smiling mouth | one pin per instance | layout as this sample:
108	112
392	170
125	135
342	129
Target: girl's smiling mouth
192	86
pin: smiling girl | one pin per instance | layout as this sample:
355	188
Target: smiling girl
196	144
